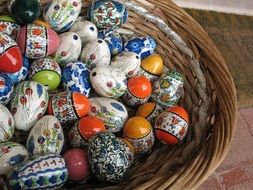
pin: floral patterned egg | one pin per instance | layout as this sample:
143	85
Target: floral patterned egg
171	126
83	130
7	124
28	104
69	49
138	92
45	137
108	158
143	46
6	88
139	132
9	26
41	172
10	54
129	62
149	111
76	78
21	75
47	72
11	154
113	113
86	30
168	89
129	149
78	165
96	53
24	11
152	67
68	107
113	39
108	81
36	41
61	14
107	14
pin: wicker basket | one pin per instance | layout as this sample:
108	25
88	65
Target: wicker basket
210	98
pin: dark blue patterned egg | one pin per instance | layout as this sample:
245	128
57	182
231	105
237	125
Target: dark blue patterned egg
113	39
76	78
108	158
6	88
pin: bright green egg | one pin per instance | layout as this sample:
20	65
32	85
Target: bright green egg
6	18
49	79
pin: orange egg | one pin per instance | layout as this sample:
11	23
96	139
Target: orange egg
89	126
139	132
81	104
140	86
171	126
41	23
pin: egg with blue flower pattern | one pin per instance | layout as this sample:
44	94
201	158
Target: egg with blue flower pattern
11	154
9	26
41	172
7	124
6	88
107	14
61	14
76	78
21	75
113	113
29	104
113	39
143	46
108	158
108	81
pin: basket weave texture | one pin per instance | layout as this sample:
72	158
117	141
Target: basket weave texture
209	97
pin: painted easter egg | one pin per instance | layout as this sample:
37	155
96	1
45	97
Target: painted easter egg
84	129
128	62
41	172
129	149
96	53
139	132
113	113
11	154
76	78
28	104
86	30
107	14
168	89
20	75
69	49
47	72
24	11
113	40
9	26
61	14
36	41
7	124
149	111
77	165
138	92
45	137
108	158
108	81
6	88
152	67
10	54
69	107
41	23
143	46
171	126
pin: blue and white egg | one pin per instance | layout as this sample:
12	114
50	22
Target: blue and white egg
113	39
76	78
143	46
6	88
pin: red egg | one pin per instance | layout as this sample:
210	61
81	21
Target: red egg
171	126
37	41
77	164
10	55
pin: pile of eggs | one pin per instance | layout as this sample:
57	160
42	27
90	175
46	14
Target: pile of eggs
71	84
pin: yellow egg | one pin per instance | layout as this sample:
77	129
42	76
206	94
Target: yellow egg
153	66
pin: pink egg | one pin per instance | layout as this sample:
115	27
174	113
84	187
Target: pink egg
77	164
37	41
